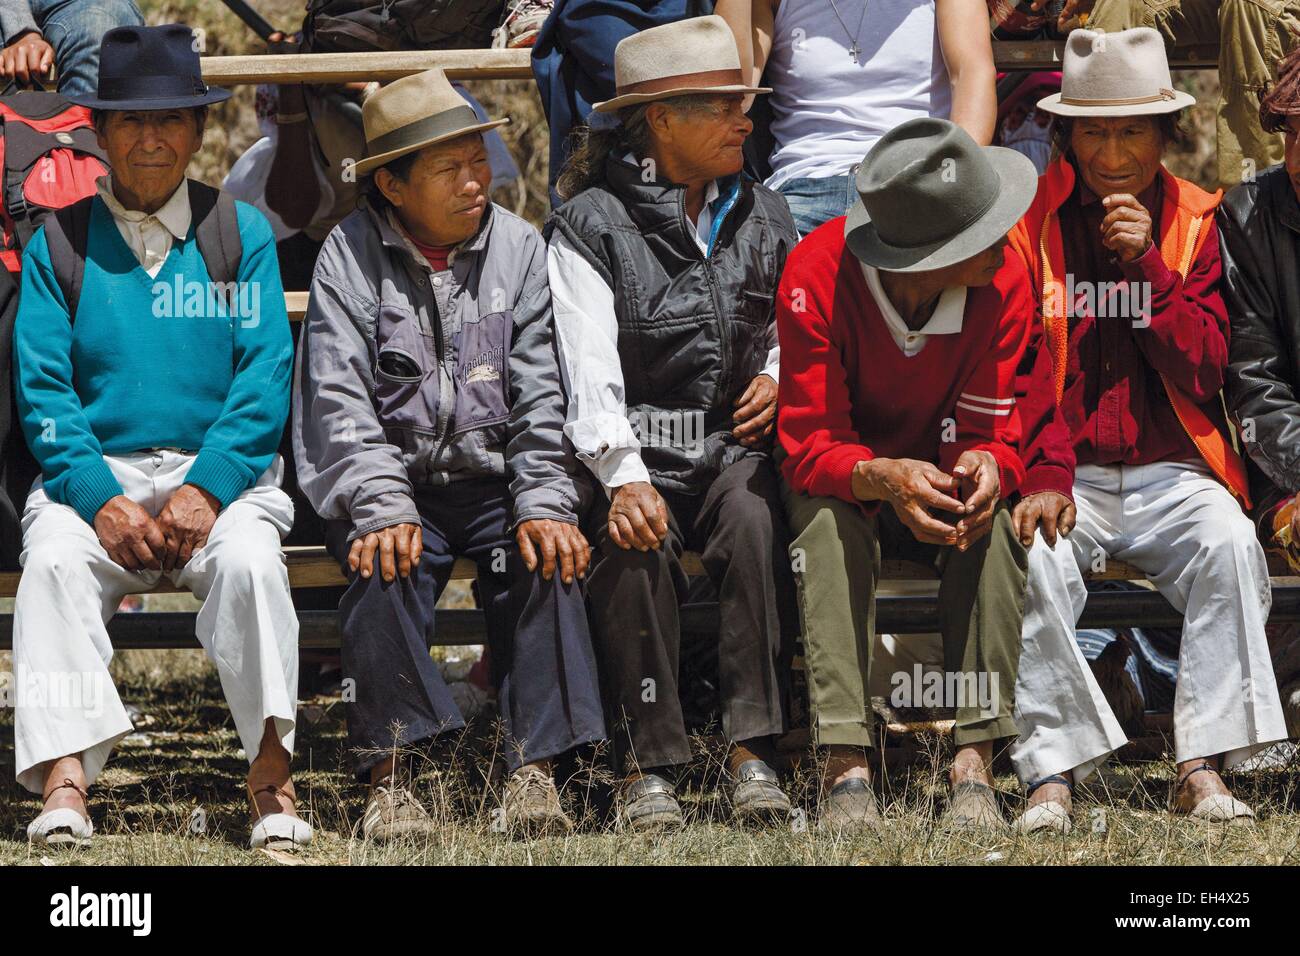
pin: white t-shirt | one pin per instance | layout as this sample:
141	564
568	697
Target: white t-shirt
828	111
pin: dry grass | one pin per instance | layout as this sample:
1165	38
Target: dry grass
186	759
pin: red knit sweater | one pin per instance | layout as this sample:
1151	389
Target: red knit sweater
848	393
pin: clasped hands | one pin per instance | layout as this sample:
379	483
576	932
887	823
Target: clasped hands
138	541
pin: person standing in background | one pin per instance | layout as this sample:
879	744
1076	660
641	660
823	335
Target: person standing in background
843	75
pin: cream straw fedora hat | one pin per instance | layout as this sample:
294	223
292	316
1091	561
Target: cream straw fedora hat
1115	74
412	113
696	55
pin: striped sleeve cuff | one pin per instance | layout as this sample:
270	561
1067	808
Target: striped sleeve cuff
218	475
89	489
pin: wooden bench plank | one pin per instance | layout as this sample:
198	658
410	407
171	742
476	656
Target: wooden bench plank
515	64
312	567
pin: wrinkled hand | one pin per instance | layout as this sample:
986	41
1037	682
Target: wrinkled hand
638	517
557	542
755	413
130	535
1126	230
1051	509
399	547
29	57
185	522
912	488
980	486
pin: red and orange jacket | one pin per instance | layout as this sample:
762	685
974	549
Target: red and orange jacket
1188	248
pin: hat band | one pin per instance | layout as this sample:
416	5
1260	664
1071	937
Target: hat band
150	87
423	130
665	84
1125	101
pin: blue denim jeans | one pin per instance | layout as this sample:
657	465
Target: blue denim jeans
75	28
816	201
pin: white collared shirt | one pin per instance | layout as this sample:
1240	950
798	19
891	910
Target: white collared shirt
583	306
946	320
149	235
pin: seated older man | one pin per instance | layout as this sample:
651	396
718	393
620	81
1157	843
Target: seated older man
663	263
428	423
1132	315
902	326
152	357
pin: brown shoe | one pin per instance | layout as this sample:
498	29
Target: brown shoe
393	813
532	804
849	807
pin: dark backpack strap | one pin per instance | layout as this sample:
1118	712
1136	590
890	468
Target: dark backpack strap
66	235
217	231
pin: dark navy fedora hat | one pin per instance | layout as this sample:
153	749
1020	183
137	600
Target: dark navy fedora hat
150	68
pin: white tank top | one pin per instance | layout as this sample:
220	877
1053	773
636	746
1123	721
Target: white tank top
827	110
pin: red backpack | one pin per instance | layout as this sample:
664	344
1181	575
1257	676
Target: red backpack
49	158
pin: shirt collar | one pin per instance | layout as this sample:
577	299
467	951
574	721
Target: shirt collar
949	313
174	214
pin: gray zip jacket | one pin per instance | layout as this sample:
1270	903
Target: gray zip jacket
410	378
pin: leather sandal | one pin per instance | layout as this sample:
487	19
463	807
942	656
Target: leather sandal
1217	807
277	831
1048	815
61	827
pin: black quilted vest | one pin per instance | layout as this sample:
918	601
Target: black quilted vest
692	330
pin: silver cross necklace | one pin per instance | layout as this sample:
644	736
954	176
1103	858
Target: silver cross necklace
855	50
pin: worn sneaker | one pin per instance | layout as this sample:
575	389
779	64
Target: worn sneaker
756	796
532	804
522	23
649	803
394	813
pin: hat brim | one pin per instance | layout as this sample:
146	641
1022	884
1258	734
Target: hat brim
215	94
1181	100
371	163
634	99
1019	183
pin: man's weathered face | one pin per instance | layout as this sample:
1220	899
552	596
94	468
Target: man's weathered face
148	151
1117	154
705	141
443	199
976	271
1292	142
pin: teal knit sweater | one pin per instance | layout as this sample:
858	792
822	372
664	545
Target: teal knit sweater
152	363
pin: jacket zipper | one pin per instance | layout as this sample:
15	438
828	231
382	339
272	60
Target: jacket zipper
440	345
724	378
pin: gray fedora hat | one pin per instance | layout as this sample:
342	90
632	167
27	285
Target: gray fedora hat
929	197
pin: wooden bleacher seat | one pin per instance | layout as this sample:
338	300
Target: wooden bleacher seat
514	64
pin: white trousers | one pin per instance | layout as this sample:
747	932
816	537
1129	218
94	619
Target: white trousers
70	588
1187	533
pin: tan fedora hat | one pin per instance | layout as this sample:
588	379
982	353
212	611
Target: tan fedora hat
412	113
1115	74
696	55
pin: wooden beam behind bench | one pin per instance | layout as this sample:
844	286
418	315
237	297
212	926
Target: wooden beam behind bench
515	65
